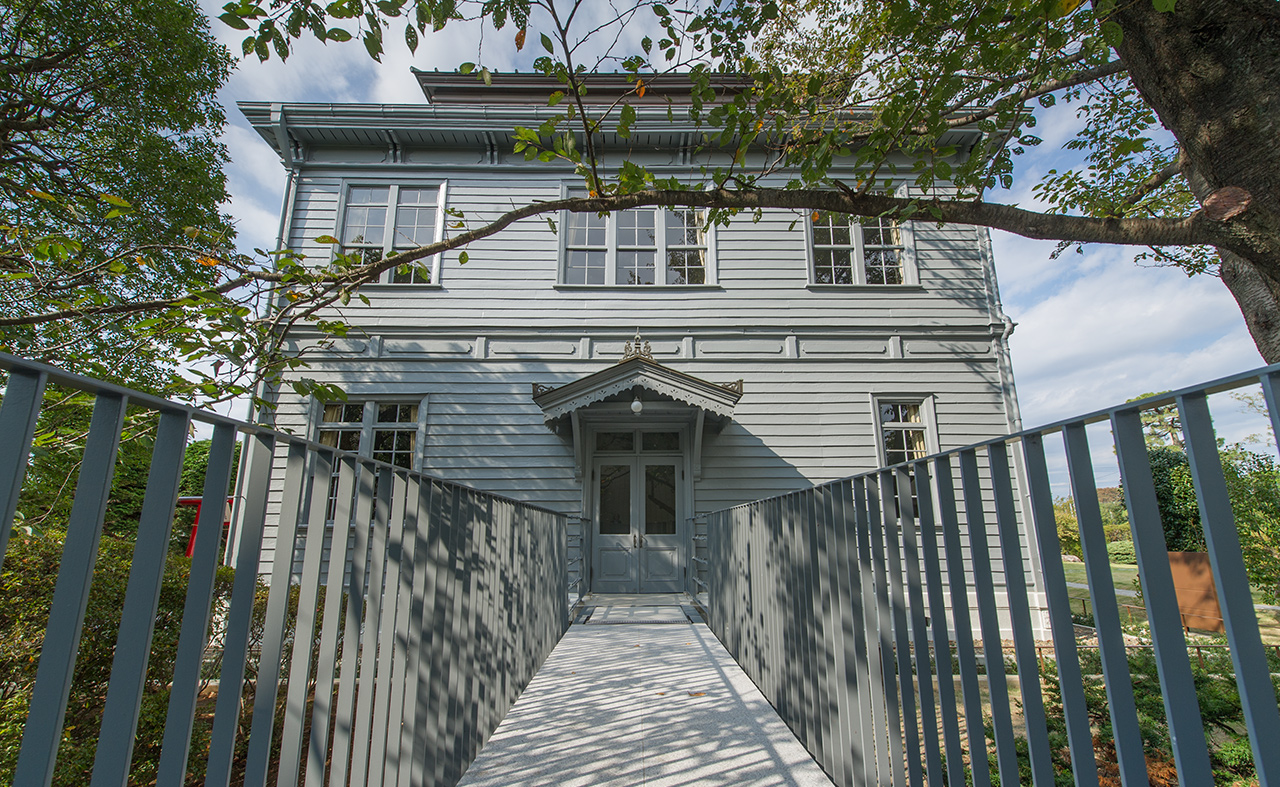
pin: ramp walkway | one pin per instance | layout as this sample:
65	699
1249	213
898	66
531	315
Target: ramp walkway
640	692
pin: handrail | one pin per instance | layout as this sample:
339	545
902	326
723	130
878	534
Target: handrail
832	597
413	579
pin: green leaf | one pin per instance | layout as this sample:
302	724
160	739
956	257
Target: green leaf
337	34
487	77
327	239
1164	6
547	45
555	98
552	224
411	38
463	257
233	21
466	68
112	199
1112	33
373	45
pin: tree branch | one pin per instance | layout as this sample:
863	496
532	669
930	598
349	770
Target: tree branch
1078	78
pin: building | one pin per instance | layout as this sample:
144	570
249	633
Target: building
636	370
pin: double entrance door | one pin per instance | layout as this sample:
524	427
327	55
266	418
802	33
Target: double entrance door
637	525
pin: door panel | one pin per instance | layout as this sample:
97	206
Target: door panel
659	540
615	559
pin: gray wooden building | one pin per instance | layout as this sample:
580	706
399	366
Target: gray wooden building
633	371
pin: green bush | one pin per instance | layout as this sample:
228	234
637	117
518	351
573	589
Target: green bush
27	584
1122	552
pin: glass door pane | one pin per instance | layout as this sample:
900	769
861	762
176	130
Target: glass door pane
660	500
615	499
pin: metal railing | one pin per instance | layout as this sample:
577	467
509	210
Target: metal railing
452	598
837	601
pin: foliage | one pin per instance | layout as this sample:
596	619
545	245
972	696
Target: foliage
1176	497
1253	484
1220	708
1122	552
1064	515
27	583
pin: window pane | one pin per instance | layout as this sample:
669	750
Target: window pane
615	441
684	227
415	226
686	267
880	231
660	500
584	267
586	229
368	195
364	225
397	413
615	499
636	227
660	441
636	267
883	266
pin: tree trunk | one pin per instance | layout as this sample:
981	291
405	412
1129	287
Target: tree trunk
1210	69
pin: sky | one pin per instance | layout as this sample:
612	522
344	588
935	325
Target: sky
1093	329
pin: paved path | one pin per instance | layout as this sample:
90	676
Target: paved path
630	698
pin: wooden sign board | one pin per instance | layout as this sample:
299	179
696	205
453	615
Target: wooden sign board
1197	596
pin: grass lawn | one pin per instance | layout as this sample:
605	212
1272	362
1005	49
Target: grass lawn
1124	577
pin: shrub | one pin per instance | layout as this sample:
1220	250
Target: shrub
1122	552
27	584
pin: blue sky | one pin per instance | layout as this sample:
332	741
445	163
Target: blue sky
1093	328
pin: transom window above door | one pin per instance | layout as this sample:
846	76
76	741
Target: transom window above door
385	219
647	441
641	247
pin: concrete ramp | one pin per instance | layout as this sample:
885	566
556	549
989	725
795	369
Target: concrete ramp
656	705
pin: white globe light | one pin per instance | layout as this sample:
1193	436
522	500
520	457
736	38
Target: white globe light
637	406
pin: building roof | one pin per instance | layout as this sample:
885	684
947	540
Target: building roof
451	87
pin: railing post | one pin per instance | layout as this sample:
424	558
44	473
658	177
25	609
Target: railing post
19	412
43	731
1253	674
1186	729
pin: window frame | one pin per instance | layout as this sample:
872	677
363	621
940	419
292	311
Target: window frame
910	273
433	263
661	214
928	421
369	423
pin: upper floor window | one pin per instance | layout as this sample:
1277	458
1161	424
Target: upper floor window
381	220
851	250
637	247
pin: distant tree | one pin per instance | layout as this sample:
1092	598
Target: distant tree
1253	482
1176	496
1064	516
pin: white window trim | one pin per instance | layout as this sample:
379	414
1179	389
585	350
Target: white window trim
928	419
611	255
369	420
388	235
910	273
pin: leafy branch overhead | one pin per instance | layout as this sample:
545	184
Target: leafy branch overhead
121	262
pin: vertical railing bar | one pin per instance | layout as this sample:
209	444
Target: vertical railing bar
938	624
963	627
43	731
369	506
180	715
305	626
424	740
349	470
441	653
1253	674
454	717
831	695
1070	681
388	614
403	677
235	644
1186	728
819	696
487	669
142	598
19	412
901	634
466	688
885	628
268	680
1015	583
846	676
875	750
988	618
795	664
915	600
386	506
804	624
1106	618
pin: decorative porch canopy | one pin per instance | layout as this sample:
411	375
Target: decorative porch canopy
637	371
